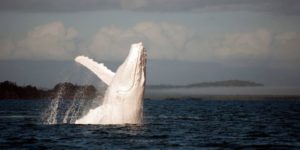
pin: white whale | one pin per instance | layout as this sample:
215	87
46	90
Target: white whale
123	99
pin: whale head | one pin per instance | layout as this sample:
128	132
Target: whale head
131	74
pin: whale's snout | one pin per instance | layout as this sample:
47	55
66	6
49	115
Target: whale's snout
137	45
136	54
137	48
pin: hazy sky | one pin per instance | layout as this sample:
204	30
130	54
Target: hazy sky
187	40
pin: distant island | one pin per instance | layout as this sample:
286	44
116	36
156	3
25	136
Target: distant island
66	90
227	83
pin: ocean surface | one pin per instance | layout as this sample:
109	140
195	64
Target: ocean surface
168	124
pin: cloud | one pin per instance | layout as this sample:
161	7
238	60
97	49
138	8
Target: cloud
260	46
230	47
6	48
171	41
285	7
287	47
50	41
163	41
245	45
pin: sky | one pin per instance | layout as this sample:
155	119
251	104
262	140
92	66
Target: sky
187	41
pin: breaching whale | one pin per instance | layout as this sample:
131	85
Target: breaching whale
123	99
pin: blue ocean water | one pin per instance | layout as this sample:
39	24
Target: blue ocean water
168	124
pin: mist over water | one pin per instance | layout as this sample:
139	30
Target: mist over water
195	92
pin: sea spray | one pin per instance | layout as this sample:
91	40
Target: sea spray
73	110
77	107
65	108
50	115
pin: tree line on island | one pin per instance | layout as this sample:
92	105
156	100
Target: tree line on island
227	83
66	90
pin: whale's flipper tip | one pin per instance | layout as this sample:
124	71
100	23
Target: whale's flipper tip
99	69
79	58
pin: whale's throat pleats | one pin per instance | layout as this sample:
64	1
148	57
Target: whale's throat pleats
127	76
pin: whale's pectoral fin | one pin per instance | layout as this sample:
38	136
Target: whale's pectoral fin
100	70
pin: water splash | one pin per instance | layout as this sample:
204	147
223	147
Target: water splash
76	108
50	115
67	111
